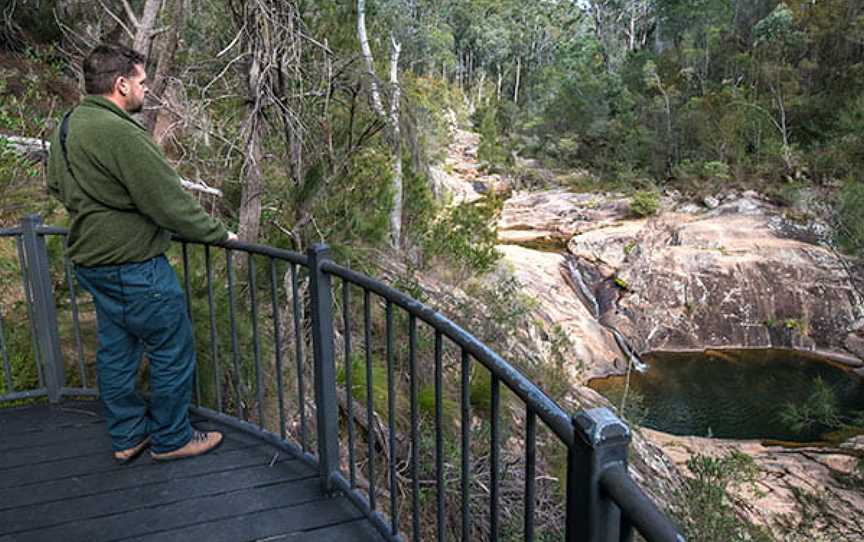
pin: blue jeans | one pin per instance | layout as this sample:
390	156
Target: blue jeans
140	308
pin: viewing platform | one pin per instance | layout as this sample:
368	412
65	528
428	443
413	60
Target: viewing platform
351	410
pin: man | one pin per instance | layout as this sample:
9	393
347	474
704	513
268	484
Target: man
123	199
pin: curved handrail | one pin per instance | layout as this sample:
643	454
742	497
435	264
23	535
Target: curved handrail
253	248
545	407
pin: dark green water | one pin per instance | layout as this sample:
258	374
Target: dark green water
732	394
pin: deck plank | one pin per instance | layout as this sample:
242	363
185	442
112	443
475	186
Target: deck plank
58	482
304	519
133	476
358	529
71	463
141	496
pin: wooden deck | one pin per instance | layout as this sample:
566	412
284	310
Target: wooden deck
58	481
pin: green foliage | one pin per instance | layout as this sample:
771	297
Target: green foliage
490	151
450	409
621	283
357	207
420	207
787	194
480	393
18	344
465	236
645	203
703	505
359	383
850	217
820	409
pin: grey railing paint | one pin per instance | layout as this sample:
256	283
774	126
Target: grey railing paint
603	504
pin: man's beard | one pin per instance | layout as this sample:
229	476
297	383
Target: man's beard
137	108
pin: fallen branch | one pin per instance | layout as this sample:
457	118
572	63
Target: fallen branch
37	150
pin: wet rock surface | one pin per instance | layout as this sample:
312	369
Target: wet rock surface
542	276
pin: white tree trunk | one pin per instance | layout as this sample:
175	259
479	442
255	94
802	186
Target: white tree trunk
144	25
518	75
390	117
367	57
396	142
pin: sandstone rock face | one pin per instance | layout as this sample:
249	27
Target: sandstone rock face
541	277
728	278
550	218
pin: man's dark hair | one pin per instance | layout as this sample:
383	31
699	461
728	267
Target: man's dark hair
106	63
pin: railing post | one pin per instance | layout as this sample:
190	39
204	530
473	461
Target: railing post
39	282
601	442
325	367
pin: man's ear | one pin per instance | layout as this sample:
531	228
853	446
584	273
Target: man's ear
121	86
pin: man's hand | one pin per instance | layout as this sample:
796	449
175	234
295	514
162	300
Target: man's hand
232	236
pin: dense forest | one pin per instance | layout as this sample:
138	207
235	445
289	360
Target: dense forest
304	121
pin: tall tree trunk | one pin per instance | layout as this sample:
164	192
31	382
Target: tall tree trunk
253	182
165	62
252	177
518	75
389	116
396	142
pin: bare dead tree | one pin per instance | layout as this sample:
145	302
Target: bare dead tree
167	47
144	24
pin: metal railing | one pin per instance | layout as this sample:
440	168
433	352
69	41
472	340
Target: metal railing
399	396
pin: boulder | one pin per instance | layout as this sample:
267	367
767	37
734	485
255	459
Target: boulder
711	202
450	186
550	218
855	344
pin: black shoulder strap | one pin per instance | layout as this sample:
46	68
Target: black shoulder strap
64	134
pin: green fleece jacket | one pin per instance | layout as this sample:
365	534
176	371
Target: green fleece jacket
124	199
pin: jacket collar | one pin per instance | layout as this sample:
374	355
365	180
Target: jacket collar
94	100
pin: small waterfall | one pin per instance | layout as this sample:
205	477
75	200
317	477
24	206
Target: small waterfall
590	300
632	358
587	294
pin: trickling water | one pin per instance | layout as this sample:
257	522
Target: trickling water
588	297
735	394
632	358
587	294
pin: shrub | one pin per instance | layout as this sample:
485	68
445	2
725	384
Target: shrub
819	409
645	203
850	217
703	504
490	150
465	235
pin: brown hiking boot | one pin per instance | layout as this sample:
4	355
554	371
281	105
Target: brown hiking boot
201	443
125	456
